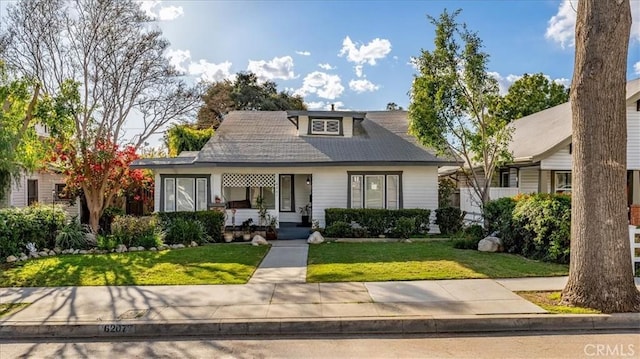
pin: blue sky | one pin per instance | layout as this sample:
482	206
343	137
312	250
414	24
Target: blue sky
357	54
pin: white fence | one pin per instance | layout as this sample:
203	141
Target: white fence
470	203
634	238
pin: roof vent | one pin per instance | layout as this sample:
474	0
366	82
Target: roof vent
333	107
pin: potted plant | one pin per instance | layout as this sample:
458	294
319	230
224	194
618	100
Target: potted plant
246	229
305	211
272	223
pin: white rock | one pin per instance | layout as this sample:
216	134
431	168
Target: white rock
76	251
52	253
258	240
23	257
34	255
83	251
179	246
133	249
315	238
121	248
490	244
140	249
57	250
153	249
43	254
11	259
194	244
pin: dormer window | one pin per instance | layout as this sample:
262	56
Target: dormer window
325	126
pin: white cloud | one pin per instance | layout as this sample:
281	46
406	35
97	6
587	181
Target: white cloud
561	26
303	53
154	10
211	72
562	81
636	68
326	67
364	54
277	68
326	105
361	86
322	84
177	58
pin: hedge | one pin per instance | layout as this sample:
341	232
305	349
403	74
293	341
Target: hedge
379	221
537	226
449	219
36	224
213	221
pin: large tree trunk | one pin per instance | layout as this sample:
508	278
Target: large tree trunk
600	274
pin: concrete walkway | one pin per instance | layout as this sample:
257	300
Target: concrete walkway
286	262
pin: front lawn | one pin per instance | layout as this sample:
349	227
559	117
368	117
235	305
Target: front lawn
369	262
213	264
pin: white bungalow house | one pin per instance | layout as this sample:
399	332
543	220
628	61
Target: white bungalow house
44	187
542	152
323	159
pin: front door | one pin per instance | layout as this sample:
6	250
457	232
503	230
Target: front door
32	192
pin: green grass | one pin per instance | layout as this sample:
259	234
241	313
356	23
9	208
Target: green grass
367	262
8	308
214	264
550	301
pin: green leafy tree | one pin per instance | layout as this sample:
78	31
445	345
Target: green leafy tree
450	98
530	94
117	63
184	137
392	106
22	108
245	93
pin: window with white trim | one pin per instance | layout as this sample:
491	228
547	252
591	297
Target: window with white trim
562	182
325	126
243	190
184	193
375	190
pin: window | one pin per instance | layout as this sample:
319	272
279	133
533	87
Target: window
32	192
286	193
504	179
375	190
60	192
247	197
184	193
325	126
562	182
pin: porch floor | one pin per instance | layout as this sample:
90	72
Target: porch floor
291	230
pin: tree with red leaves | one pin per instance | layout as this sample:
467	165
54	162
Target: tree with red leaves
103	173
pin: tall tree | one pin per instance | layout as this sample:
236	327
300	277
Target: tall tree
449	101
116	59
247	93
184	137
392	106
22	108
600	273
530	94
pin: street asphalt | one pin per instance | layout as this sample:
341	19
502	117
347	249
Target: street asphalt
278	301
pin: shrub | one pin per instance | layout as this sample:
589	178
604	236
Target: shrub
449	219
544	227
499	217
213	221
379	221
72	235
404	227
338	229
107	217
36	224
474	231
182	230
107	242
135	231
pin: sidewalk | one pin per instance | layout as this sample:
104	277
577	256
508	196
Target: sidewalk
277	301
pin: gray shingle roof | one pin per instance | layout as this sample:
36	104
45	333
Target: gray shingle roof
268	138
543	132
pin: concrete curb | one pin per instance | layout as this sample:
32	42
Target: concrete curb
321	326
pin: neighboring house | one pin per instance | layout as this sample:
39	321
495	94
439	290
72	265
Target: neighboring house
542	152
44	187
325	159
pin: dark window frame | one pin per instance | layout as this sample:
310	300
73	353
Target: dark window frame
293	192
384	185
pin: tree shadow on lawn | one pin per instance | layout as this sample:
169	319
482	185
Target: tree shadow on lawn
436	254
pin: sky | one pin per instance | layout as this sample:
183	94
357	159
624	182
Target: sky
357	54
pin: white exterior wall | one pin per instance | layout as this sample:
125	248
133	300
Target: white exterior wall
633	138
347	127
303	125
561	160
329	187
46	183
18	193
529	178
